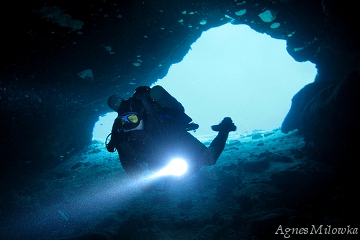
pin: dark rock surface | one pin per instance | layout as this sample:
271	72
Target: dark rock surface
99	201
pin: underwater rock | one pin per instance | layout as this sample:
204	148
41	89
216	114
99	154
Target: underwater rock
227	180
229	167
257	136
161	199
58	15
288	180
62	175
86	74
256	166
245	203
268	15
297	153
185	224
275	25
331	117
93	236
63	214
129	228
240	12
298	104
76	165
107	222
185	204
297	187
266	226
223	193
275	157
145	234
237	219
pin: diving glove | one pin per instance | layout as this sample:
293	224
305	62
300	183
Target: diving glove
226	125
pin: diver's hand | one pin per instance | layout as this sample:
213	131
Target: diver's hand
226	125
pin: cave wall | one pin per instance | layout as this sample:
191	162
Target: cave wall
61	59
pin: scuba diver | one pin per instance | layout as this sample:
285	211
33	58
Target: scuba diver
152	128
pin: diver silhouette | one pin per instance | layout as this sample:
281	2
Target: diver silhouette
152	128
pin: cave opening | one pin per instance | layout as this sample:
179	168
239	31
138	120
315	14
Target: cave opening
233	71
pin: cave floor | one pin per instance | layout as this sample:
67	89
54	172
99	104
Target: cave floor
261	181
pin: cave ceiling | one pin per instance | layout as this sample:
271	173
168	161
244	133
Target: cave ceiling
62	59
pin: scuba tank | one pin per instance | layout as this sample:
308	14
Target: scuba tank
172	107
164	99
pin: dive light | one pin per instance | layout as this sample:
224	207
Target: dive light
176	167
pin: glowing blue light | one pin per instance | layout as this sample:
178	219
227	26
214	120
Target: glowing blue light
176	167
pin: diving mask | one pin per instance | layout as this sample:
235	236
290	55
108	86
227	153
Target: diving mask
129	121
